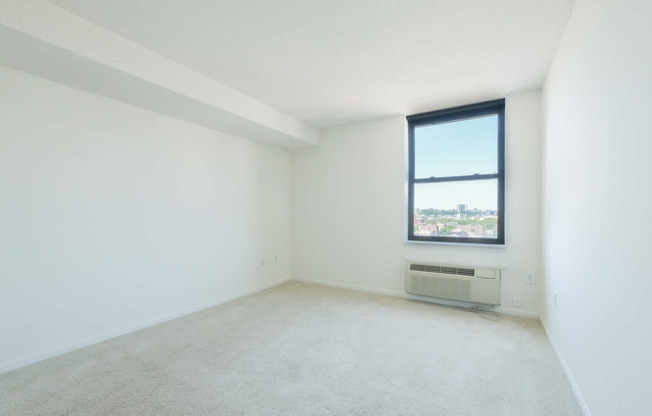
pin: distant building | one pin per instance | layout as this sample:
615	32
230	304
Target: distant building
471	230
428	230
461	208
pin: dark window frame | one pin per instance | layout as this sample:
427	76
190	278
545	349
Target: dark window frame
496	107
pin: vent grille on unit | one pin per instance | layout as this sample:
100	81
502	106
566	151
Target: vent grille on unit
442	288
442	269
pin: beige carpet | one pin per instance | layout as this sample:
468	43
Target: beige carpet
300	349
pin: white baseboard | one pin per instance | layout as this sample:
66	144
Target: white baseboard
94	340
399	294
132	328
355	287
584	408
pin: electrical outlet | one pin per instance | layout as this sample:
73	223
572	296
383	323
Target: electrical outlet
529	278
554	300
262	262
275	259
516	301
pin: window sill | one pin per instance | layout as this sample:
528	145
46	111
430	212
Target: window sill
445	243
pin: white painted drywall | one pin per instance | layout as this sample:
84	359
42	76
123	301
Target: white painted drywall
113	217
348	205
596	209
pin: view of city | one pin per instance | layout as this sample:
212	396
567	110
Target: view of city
458	222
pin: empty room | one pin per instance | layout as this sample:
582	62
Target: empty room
325	207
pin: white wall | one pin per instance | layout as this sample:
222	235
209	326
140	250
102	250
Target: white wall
113	217
348	205
597	147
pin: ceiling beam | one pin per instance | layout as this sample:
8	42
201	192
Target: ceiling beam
40	38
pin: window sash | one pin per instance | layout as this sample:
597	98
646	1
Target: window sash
473	151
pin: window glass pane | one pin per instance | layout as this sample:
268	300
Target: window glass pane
464	147
456	209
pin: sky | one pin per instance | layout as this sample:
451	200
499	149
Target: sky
459	148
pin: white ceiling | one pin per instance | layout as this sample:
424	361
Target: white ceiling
329	62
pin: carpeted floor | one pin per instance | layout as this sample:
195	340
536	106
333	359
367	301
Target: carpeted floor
300	349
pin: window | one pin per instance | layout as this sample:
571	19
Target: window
456	184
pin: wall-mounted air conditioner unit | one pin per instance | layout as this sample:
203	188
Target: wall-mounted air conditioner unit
470	284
